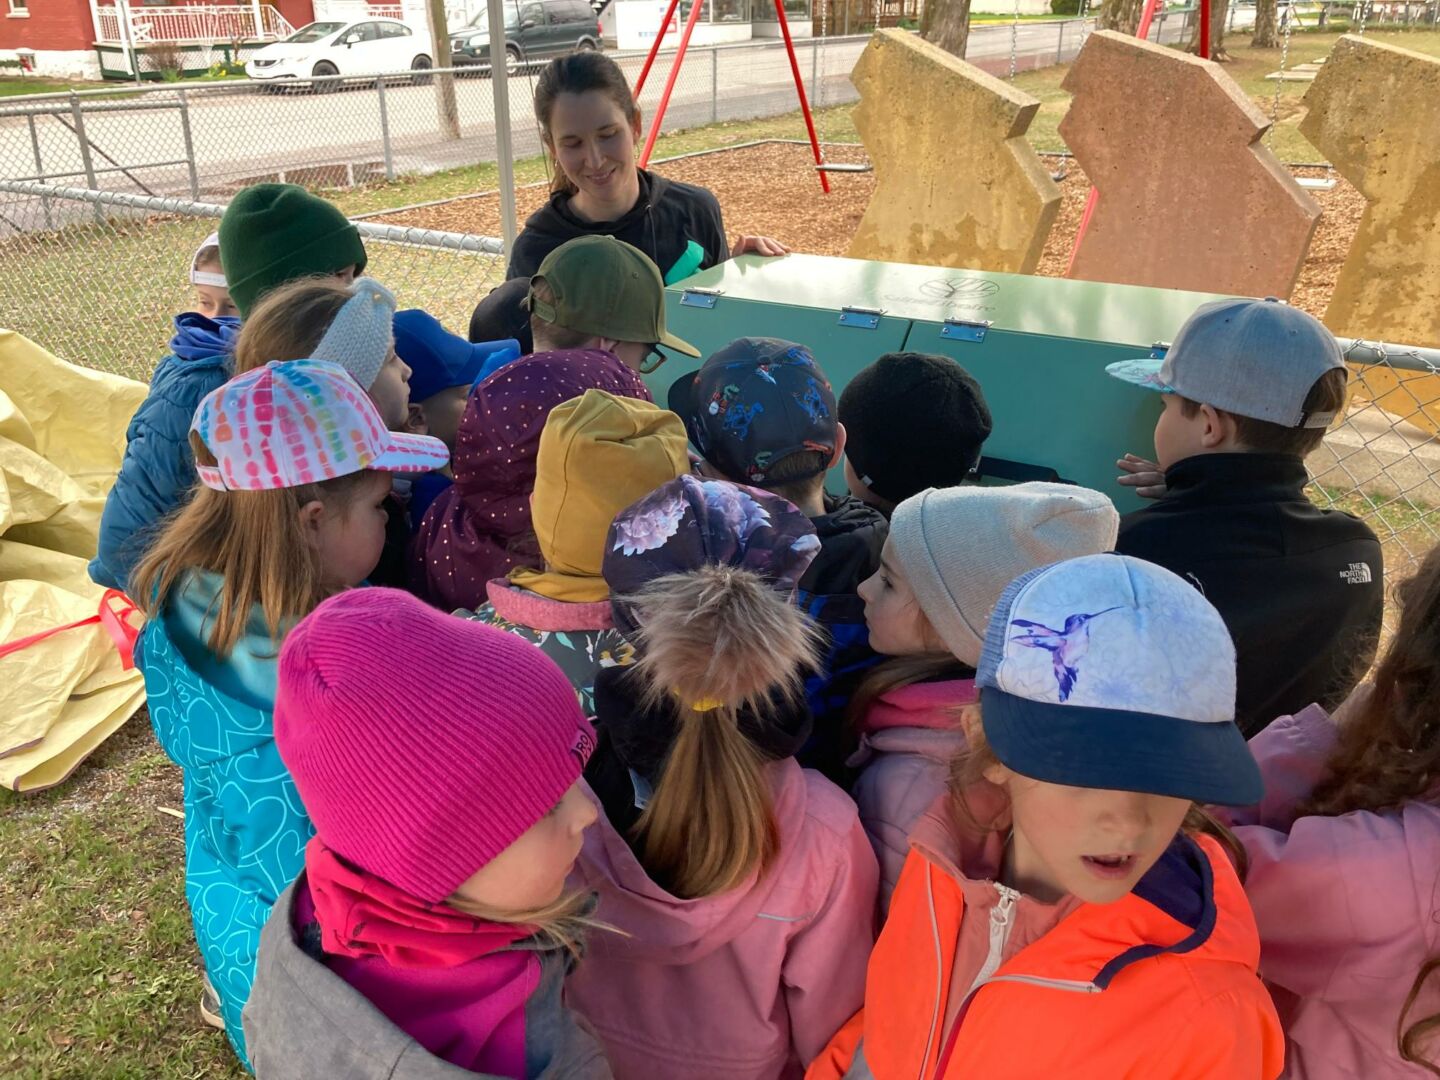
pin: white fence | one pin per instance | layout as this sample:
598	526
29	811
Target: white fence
197	24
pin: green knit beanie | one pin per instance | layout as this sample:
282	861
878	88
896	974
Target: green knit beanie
274	233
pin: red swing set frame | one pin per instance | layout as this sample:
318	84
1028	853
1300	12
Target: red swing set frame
690	22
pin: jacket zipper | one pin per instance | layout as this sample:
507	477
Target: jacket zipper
1002	920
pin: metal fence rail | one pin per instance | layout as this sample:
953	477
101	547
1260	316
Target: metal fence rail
102	293
206	142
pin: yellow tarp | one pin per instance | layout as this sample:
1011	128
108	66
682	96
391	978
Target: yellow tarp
62	434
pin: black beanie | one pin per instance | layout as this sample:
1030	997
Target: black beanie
913	421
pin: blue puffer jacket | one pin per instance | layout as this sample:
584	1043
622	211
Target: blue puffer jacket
158	469
245	827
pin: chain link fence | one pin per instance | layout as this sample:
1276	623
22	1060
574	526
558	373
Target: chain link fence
207	142
101	292
1382	462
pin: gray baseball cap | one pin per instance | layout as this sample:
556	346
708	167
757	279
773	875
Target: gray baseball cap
1255	358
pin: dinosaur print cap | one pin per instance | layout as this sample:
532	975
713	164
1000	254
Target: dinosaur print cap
1110	672
754	403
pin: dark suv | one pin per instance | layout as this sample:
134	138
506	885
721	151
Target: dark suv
534	29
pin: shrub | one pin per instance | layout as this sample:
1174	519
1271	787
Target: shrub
1065	7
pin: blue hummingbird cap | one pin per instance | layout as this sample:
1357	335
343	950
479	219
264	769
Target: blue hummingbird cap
755	403
1110	672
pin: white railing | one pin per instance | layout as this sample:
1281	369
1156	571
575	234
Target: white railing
411	12
201	24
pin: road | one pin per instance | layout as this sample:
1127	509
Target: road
241	133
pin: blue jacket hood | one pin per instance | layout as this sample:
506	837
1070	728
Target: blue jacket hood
200	338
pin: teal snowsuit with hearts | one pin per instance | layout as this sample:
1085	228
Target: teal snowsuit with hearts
245	828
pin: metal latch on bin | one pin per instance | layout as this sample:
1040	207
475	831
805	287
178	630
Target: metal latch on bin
965	329
701	298
1158	349
861	318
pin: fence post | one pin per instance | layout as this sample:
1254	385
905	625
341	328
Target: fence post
714	84
385	129
84	142
1060	43
39	169
1160	29
189	145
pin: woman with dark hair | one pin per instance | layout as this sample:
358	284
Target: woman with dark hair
590	125
1344	858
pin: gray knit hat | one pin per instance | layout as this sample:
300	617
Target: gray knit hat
959	547
362	335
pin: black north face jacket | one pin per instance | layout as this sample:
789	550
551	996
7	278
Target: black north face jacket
1301	589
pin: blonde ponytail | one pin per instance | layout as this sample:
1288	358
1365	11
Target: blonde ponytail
713	643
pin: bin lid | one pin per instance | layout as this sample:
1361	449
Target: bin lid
1055	307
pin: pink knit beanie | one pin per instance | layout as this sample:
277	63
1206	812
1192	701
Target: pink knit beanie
422	745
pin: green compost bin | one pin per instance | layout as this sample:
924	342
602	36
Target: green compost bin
1037	345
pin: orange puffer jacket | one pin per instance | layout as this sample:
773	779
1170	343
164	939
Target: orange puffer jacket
1160	984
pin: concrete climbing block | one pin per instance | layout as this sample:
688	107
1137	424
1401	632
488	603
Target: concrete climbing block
956	184
1188	197
1374	111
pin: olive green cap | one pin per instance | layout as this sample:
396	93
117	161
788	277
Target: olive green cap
608	288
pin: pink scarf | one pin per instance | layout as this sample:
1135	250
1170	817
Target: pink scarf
448	980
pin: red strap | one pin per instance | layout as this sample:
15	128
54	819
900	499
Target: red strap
114	615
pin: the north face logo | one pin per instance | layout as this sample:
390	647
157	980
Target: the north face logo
1358	574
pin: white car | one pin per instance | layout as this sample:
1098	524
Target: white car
326	49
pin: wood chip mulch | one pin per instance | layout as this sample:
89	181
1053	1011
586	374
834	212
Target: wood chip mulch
772	189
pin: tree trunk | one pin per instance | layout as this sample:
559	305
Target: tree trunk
1219	12
1265	36
947	23
1121	15
444	84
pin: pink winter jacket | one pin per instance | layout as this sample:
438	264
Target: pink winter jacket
747	985
907	740
1348	909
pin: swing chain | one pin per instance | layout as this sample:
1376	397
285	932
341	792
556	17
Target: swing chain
1014	39
1284	60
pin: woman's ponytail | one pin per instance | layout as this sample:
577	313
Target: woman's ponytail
715	642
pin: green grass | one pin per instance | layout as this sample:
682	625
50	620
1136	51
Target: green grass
1248	67
988	20
17	87
98	968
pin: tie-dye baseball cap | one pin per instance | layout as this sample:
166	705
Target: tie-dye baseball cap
1109	672
300	422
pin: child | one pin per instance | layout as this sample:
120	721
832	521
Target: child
270	234
598	453
1059	913
1250	387
429	933
912	421
596	292
350	325
1344	859
295	464
443	369
274	233
479	529
207	274
157	469
323	319
761	412
743	883
950	554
